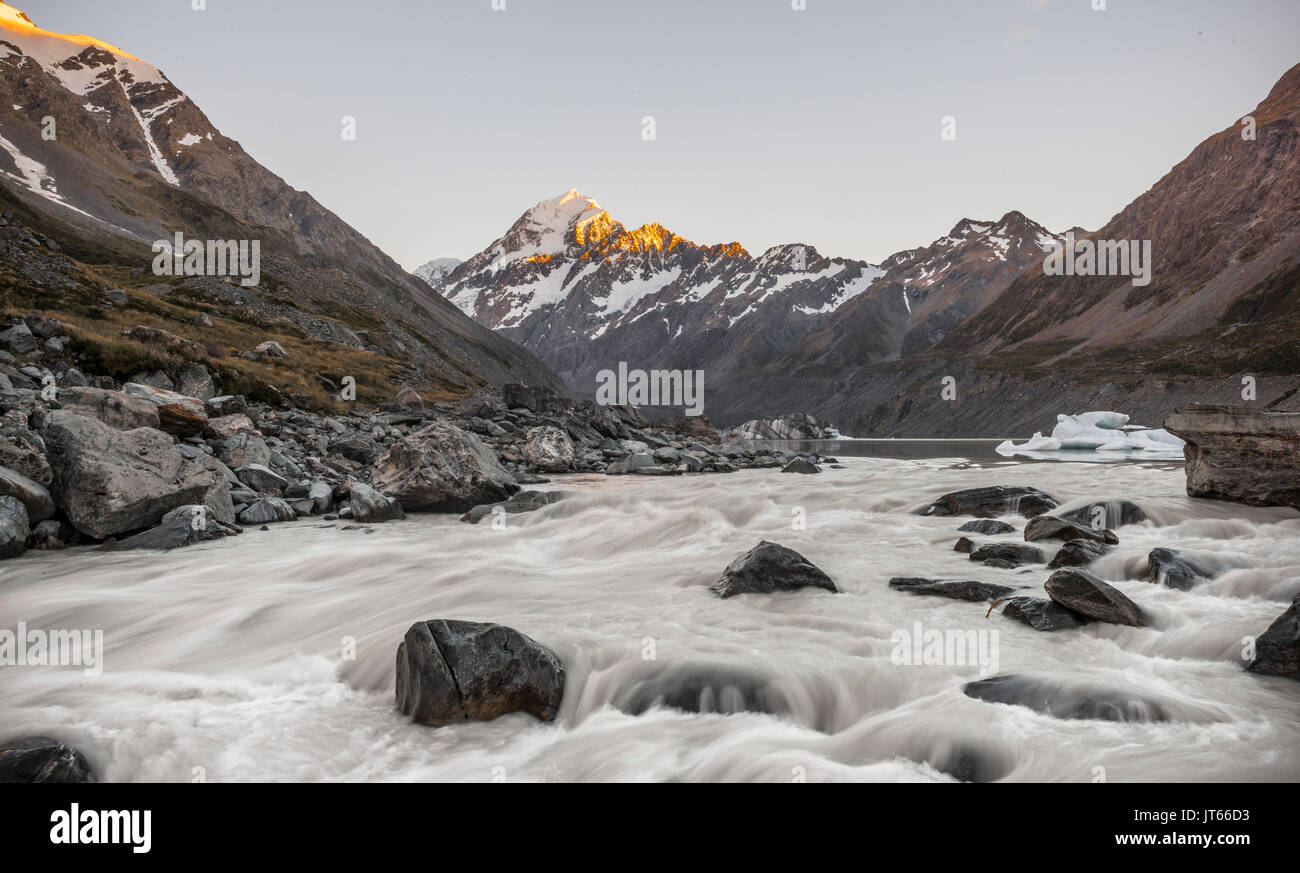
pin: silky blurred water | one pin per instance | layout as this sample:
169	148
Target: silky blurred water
230	656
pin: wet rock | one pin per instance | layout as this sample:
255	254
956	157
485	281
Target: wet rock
524	501
993	501
987	526
1067	700
14	527
1176	570
769	568
701	688
549	449
450	671
442	469
1277	650
177	414
801	465
1108	514
1014	554
1077	553
113	408
1082	592
321	495
953	589
109	482
41	759
1042	614
33	496
1049	527
964	545
369	505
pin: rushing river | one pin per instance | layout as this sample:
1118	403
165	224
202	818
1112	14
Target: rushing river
231	656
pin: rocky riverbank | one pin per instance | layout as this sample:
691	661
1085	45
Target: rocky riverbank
166	461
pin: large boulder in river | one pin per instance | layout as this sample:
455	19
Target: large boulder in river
768	568
113	408
1049	527
109	482
1277	650
1240	453
993	501
177	413
442	469
450	671
800	464
14	527
1082	592
549	449
41	759
33	496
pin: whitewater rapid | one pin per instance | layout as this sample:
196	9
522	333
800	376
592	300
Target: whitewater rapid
229	661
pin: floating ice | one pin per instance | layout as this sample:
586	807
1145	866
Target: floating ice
1099	431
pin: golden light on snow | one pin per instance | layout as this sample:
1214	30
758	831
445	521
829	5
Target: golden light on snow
17	21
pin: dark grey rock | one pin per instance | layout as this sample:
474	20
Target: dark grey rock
768	568
1077	553
1082	592
1067	700
951	588
1042	614
993	501
1114	513
987	526
34	497
524	501
1175	569
1011	553
801	465
1049	527
41	759
450	671
1277	650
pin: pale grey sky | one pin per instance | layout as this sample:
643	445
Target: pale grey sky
773	125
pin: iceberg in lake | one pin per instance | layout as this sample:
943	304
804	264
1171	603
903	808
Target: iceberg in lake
1098	431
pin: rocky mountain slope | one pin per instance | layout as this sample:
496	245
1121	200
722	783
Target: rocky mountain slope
583	292
967	336
102	154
